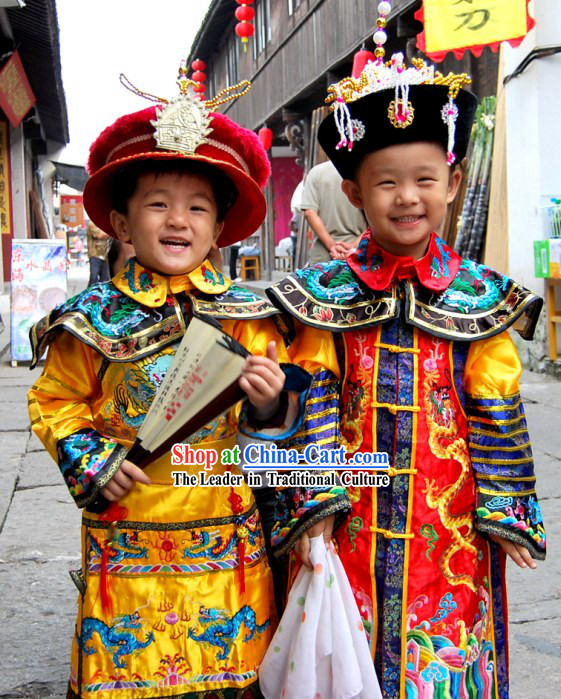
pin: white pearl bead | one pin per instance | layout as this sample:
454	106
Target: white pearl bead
384	8
380	37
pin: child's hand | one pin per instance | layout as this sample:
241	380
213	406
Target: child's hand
263	380
519	554
302	547
124	479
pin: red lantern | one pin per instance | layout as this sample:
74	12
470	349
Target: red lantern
198	64
198	76
360	60
244	28
245	13
266	137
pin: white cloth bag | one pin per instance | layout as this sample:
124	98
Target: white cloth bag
320	649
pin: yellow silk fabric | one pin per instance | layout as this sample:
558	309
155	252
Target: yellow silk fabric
68	395
493	367
314	350
169	601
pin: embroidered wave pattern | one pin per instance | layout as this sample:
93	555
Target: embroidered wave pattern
504	469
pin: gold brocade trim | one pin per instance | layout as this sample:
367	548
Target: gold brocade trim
76	325
168	526
322	413
486	396
489	421
247	308
54	379
316	430
321	399
507	492
498	435
410	501
527	460
471	316
393	409
498	408
495	448
396	348
324	382
373	304
504	323
391	535
491	477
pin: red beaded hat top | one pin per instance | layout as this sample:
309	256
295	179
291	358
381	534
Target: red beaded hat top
183	129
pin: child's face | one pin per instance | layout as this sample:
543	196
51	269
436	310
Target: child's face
171	220
404	191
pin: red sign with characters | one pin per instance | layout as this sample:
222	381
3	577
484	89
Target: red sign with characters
72	210
16	95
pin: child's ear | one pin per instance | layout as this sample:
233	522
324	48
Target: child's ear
218	228
119	223
353	193
453	184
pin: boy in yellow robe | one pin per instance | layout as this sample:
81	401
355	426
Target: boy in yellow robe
175	589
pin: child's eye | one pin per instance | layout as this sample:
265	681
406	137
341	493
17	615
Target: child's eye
157	204
386	182
197	207
426	179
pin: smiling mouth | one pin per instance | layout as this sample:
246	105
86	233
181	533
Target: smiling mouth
175	243
407	219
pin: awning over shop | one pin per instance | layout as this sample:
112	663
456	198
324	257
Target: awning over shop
74	176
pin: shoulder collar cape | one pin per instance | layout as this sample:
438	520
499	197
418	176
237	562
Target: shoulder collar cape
140	311
441	293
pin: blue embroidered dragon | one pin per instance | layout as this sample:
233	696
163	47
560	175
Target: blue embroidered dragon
121	321
221	630
464	295
116	639
217	547
332	281
125	547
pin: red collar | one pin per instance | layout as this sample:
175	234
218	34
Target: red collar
378	268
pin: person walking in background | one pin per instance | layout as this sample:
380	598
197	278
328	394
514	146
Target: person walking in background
98	245
333	219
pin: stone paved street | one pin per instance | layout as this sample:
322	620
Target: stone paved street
40	543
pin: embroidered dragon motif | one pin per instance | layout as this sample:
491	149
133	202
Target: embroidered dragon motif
116	639
445	444
216	547
222	630
126	546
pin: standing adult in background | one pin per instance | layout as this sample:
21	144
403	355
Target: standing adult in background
335	222
98	244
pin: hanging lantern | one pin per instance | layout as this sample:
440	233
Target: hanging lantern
244	29
198	64
360	60
199	77
266	137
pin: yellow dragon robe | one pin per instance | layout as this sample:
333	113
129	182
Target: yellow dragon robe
180	625
411	358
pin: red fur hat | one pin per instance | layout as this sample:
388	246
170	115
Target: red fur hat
234	150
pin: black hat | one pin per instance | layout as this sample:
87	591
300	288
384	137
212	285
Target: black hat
389	105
